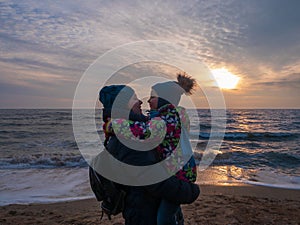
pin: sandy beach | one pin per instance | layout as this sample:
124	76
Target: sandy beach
217	205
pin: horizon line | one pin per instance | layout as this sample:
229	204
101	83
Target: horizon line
147	108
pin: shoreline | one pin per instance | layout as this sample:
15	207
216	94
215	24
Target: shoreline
217	204
65	184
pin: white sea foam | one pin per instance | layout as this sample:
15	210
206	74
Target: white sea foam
232	175
44	185
272	179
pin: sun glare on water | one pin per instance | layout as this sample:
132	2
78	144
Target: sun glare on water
225	79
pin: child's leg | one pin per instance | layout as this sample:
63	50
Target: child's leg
166	213
179	217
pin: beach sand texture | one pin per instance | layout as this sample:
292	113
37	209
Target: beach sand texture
216	205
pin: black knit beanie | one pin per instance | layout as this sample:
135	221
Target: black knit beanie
117	95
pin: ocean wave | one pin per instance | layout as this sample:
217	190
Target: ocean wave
261	176
44	185
249	135
43	161
205	126
287	162
265	177
28	135
276	160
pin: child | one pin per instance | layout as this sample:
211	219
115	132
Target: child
164	97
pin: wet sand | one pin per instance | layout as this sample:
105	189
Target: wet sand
243	204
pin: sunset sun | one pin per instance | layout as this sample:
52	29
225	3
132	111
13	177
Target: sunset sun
225	79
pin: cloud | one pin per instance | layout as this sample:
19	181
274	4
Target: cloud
275	22
273	34
291	81
51	41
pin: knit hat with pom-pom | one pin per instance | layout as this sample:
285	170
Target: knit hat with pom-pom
170	92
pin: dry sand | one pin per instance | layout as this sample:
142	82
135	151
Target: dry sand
216	205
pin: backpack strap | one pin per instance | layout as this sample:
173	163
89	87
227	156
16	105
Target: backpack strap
102	213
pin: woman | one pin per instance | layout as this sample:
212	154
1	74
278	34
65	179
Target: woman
142	202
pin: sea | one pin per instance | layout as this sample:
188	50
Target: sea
40	161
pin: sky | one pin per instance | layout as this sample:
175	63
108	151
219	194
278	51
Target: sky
46	46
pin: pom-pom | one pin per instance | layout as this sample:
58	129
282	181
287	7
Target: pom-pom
186	82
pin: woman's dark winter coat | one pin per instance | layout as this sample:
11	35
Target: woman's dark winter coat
142	201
